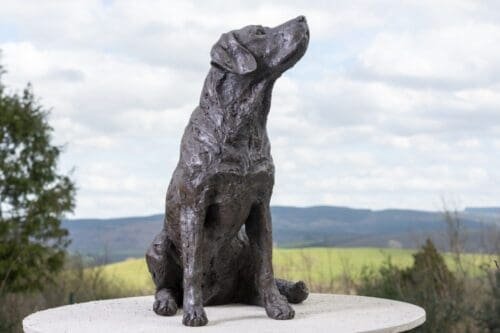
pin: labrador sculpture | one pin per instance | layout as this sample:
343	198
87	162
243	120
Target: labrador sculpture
216	243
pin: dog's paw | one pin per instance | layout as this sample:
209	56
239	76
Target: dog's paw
277	307
165	306
195	316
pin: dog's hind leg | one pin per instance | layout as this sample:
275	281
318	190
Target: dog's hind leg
295	292
166	275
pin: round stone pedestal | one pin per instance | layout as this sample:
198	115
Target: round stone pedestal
319	313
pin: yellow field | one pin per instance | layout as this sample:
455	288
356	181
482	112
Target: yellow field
321	268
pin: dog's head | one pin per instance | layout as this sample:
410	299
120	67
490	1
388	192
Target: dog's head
258	49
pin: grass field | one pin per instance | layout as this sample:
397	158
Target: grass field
321	268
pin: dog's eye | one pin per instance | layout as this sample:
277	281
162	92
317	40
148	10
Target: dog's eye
260	32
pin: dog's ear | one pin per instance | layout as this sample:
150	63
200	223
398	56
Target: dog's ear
229	54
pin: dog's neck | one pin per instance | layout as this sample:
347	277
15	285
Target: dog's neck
223	90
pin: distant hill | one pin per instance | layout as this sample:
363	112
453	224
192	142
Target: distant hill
119	238
488	212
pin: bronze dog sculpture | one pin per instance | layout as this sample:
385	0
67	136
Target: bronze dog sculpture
216	243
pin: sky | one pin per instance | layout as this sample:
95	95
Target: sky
396	104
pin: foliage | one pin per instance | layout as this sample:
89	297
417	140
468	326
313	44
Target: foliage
428	283
33	196
488	316
77	282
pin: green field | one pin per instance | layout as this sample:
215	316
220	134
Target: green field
321	268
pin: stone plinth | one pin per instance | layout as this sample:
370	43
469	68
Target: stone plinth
319	313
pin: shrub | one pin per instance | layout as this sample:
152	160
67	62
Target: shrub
488	316
428	283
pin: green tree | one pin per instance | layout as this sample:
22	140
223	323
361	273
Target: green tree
488	316
428	283
34	196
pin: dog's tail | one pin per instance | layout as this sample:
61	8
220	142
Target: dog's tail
295	292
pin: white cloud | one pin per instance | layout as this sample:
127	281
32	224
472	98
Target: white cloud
449	57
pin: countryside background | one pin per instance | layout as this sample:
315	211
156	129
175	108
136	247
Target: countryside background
321	245
120	238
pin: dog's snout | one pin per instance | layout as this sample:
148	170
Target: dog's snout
301	18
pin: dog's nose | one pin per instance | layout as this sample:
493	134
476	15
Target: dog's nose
301	18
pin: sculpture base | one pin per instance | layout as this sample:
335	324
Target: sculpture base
319	313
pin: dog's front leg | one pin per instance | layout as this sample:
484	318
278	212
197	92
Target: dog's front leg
259	231
192	218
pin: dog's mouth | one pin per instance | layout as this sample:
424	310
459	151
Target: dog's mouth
302	35
291	58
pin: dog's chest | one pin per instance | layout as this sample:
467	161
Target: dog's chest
234	142
245	155
236	192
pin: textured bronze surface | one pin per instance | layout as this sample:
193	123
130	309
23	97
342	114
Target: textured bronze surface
216	244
